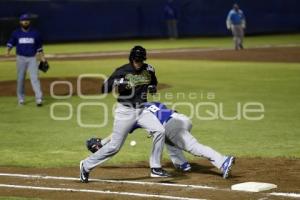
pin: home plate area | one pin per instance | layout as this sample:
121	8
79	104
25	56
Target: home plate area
133	182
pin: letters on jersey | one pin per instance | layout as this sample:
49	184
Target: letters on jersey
26	40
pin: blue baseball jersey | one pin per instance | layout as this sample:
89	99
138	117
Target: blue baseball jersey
160	110
27	43
236	17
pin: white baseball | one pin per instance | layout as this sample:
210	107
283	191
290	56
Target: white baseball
132	143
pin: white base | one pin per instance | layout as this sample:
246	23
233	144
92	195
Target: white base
253	186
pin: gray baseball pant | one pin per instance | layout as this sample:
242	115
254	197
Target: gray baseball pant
125	119
30	63
238	35
178	131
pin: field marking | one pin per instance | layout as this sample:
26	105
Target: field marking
96	191
290	195
112	181
293	195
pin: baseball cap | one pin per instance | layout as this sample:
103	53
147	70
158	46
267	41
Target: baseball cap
24	17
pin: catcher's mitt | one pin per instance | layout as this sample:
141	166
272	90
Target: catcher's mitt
44	66
93	144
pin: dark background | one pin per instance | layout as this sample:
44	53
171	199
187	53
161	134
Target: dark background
80	20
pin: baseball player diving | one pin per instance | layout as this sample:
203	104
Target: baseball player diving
178	137
133	81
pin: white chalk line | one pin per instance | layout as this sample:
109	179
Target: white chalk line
96	191
111	181
291	195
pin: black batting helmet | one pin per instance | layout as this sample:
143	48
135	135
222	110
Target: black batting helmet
137	53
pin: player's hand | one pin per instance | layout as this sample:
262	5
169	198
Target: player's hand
152	89
122	82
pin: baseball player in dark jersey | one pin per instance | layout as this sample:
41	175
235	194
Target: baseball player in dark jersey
28	44
133	81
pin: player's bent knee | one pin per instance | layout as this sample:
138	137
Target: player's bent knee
162	130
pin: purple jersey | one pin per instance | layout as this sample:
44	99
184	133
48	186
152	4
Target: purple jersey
162	113
27	43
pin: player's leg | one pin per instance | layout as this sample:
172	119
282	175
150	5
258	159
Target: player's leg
125	118
176	155
21	74
177	158
148	121
178	131
35	82
242	37
174	29
235	37
192	146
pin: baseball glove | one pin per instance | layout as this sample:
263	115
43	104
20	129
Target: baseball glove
44	66
94	144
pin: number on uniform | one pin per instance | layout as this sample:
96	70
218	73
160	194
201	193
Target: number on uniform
153	108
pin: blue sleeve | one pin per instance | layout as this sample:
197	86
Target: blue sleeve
12	40
39	46
160	105
229	15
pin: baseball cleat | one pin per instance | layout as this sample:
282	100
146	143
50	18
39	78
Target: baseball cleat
159	173
21	102
226	166
185	167
39	103
84	176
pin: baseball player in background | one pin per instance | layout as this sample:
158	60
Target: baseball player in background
178	137
170	14
133	81
28	44
236	22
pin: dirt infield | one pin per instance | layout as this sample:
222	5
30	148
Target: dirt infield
89	86
274	54
286	54
265	54
282	172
